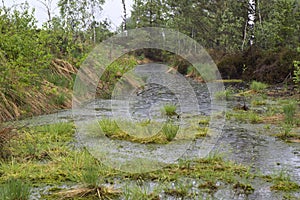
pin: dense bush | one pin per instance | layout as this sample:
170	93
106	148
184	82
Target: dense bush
261	65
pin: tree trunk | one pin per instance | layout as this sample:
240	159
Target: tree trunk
125	15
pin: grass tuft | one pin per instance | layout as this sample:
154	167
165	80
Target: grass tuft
90	176
258	86
244	116
282	182
225	94
109	126
139	192
169	109
289	111
14	189
170	131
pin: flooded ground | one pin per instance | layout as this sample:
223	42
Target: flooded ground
249	144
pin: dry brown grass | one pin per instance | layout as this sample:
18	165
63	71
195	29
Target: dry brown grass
6	134
100	192
275	119
33	100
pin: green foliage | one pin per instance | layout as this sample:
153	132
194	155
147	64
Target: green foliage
24	55
258	86
289	111
279	25
286	131
222	24
114	72
79	15
139	192
169	109
296	77
14	189
60	99
258	101
180	189
225	94
170	131
148	13
90	176
109	126
244	116
282	182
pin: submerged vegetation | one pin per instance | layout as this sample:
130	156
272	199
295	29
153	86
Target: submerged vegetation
36	159
47	155
112	130
38	66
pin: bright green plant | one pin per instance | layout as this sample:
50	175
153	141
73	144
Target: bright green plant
14	189
140	192
169	109
286	130
296	77
90	176
225	94
244	116
289	111
258	86
108	126
170	131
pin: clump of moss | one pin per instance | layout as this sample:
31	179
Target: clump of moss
246	188
282	182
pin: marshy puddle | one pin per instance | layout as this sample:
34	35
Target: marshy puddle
244	143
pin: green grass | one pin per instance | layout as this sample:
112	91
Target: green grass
169	109
244	116
59	80
60	99
14	189
225	94
258	86
170	131
111	129
289	111
286	133
90	176
179	189
109	126
282	182
44	155
140	192
258	102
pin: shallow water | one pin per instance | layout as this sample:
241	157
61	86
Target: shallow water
244	143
